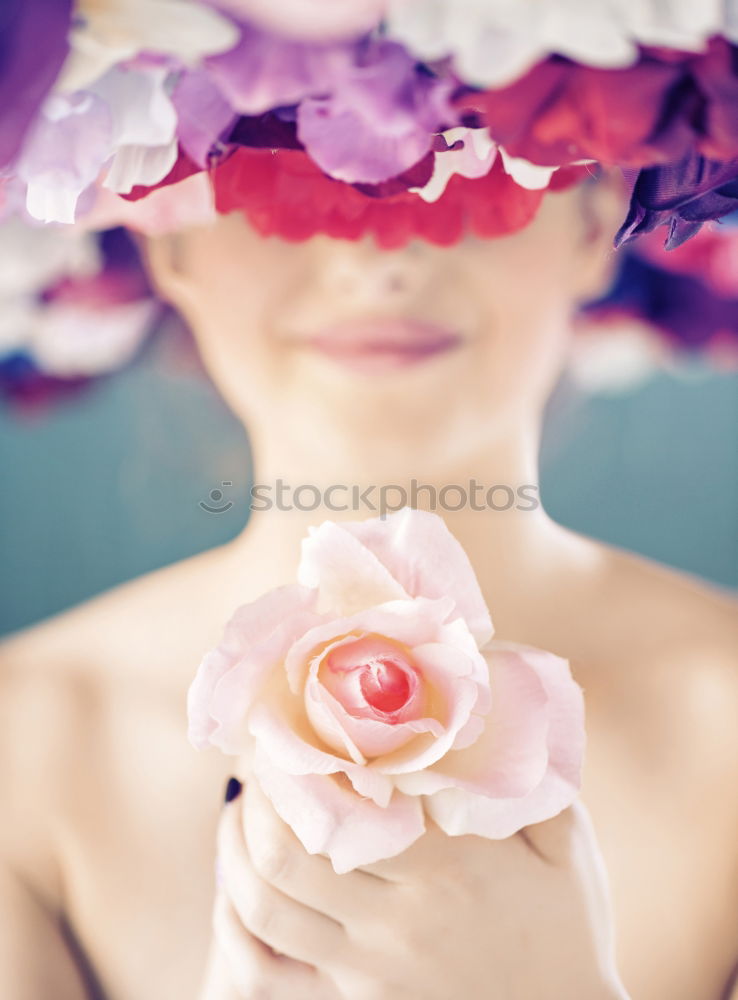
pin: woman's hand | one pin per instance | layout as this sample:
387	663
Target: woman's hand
522	918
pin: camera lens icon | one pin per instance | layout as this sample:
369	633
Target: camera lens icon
216	497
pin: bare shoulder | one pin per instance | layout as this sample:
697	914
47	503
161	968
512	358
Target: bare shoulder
672	613
668	643
74	684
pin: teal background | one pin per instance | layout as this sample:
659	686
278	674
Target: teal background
108	486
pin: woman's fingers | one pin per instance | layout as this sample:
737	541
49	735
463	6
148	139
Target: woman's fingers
286	925
255	972
281	860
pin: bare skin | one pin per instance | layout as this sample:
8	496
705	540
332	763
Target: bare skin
110	818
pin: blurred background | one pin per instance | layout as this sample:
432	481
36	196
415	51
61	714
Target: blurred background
108	484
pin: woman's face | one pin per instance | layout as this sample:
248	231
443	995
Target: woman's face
418	348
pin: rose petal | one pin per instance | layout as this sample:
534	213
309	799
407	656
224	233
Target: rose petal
424	557
511	754
370	737
284	733
229	678
411	622
459	811
326	724
341	670
346	574
330	819
457	697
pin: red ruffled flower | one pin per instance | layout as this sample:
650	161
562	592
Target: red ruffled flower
283	193
655	112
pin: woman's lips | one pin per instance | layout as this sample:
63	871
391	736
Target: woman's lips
383	345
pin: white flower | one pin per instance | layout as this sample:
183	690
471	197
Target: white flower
144	127
474	158
33	258
526	174
731	20
69	340
313	20
110	31
125	121
63	338
493	42
615	357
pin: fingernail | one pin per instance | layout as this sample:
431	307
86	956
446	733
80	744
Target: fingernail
233	790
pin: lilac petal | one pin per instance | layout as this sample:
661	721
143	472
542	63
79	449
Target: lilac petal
64	154
265	71
379	120
204	115
352	148
33	47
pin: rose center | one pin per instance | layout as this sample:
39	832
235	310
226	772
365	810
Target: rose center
385	685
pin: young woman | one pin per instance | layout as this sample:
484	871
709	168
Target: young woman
355	366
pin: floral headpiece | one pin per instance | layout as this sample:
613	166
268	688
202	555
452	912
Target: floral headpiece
398	118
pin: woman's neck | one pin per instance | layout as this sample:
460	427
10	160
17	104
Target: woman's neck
489	500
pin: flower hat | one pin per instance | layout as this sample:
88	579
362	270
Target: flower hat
401	119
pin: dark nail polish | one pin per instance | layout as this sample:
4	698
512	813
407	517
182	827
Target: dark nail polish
233	790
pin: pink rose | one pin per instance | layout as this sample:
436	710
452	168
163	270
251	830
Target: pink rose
370	695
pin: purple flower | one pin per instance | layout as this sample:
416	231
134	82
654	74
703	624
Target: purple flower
381	118
204	115
366	111
681	196
265	71
33	46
